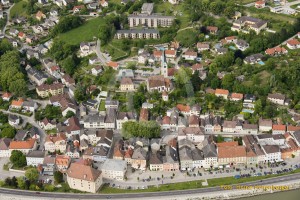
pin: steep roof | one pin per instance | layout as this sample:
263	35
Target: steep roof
231	151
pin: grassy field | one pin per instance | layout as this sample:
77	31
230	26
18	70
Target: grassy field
19	9
102	105
86	32
114	50
167	187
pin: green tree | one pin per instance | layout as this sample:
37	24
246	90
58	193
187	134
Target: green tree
17	158
70	114
21	182
58	177
148	129
8	132
32	174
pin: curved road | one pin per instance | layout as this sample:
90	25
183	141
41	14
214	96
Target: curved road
269	181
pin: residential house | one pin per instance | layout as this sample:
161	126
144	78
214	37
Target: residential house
265	125
36	76
97	153
212	30
260	4
13	120
56	143
242	45
171	158
229	126
202	47
210	156
236	96
276	51
24	146
190	55
222	93
29	106
278	129
97	70
40	15
253	59
6	96
113	65
46	124
277	98
84	178
16	104
139	159
194	134
45	90
91	104
292	129
293	44
250	129
4	147
247	23
67	80
48	166
124	117
62	163
77	9
114	169
156	161
35	158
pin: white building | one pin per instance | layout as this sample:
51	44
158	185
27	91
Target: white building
193	134
35	158
272	153
114	169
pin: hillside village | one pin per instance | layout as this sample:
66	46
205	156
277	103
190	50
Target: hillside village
224	100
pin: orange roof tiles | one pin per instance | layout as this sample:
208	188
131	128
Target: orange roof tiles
293	42
231	151
227	144
222	91
278	127
19	102
157	53
183	108
293	128
170	52
28	144
237	96
112	64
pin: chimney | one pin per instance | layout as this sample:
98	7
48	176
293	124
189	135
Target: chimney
84	176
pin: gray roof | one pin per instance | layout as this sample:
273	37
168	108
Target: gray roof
94	118
113	164
210	151
139	154
271	148
36	154
110	116
276	96
185	153
29	104
256	22
264	136
129	115
254	58
297	136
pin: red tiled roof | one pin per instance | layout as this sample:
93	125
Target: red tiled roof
293	42
237	96
19	102
278	127
170	52
183	108
112	64
221	91
28	144
157	53
227	144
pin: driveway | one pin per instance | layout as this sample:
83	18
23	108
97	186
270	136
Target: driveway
3	173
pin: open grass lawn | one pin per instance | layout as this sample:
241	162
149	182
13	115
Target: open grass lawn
102	105
86	32
167	187
166	8
114	49
19	9
272	17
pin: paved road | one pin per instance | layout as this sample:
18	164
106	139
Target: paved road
7	19
270	181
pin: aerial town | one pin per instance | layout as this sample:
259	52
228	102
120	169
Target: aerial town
112	96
